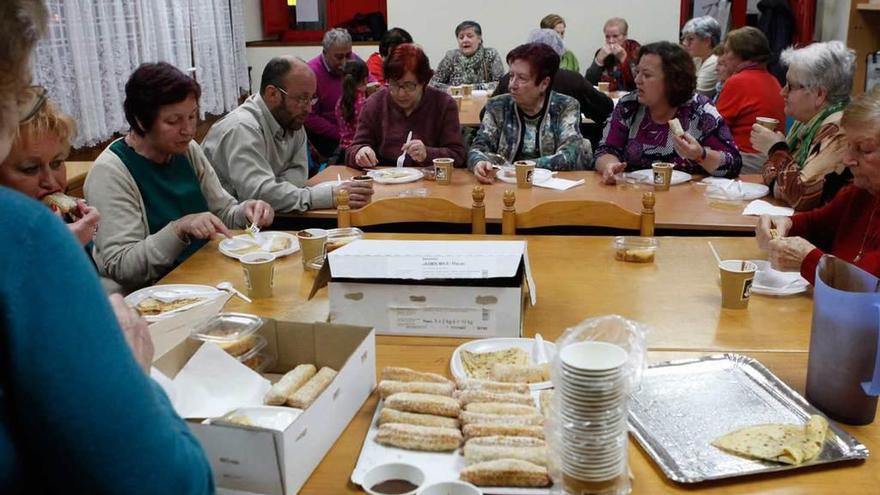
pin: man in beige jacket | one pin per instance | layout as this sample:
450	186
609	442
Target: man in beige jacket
259	150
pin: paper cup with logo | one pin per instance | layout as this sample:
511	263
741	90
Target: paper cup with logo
662	175
313	244
456	90
259	273
467	90
525	171
769	123
443	170
736	283
604	87
362	179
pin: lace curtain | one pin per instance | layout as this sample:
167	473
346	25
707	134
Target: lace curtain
94	45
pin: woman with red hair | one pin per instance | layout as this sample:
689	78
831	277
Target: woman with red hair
407	105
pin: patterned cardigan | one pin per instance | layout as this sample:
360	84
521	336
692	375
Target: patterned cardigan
483	66
559	138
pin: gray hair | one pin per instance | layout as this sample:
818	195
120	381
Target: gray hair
704	27
548	37
829	65
336	36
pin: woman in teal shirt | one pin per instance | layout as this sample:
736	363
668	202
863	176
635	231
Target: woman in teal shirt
160	197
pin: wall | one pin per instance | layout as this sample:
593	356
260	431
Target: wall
832	19
505	23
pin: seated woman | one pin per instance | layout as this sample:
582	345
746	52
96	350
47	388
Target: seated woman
806	169
471	62
532	122
848	226
569	60
407	105
160	196
390	40
638	133
750	91
348	108
615	61
35	164
699	37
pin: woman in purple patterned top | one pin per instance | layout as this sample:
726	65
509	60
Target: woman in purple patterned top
638	134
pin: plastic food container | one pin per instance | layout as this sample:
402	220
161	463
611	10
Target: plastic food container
635	249
235	333
258	361
336	238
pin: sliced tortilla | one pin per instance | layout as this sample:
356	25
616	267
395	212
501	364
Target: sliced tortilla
480	364
787	444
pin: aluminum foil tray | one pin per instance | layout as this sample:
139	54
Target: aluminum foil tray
683	405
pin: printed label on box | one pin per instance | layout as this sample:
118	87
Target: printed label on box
450	321
441	266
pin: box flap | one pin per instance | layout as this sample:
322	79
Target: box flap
424	260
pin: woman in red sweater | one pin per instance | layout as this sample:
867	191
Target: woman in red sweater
750	92
849	226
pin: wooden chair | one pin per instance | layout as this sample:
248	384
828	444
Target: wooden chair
415	209
585	213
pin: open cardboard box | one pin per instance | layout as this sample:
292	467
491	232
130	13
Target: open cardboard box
470	289
258	460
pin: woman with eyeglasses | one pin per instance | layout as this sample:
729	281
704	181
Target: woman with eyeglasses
407	117
161	198
805	169
848	226
750	92
35	164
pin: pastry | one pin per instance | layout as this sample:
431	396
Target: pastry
506	472
500	408
289	383
279	243
476	453
508	441
240	346
154	307
415	437
544	400
515	373
408	375
675	127
305	395
480	364
492	386
787	444
485	430
391	387
437	405
470	417
63	204
635	255
468	396
389	415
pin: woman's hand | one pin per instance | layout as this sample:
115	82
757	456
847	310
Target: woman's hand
136	332
200	226
366	157
609	170
763	139
484	172
87	226
787	254
688	147
770	228
259	212
619	53
603	53
416	150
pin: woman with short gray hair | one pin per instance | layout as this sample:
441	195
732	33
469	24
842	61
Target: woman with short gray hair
699	36
471	62
806	168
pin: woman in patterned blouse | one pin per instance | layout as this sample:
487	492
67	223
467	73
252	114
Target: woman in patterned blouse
471	62
638	135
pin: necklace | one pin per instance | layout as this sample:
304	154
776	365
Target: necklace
865	237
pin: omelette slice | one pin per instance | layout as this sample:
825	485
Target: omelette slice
787	444
480	364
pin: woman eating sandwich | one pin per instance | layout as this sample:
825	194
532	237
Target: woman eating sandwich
35	164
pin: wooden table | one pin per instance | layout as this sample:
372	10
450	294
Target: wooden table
683	207
469	112
76	177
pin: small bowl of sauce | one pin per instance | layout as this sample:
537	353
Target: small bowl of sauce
393	478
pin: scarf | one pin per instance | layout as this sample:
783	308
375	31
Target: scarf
475	64
800	138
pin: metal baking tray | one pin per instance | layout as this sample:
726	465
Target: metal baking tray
683	405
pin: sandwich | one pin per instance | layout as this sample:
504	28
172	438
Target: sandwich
675	127
63	204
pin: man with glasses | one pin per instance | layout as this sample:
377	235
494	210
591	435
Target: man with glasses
260	150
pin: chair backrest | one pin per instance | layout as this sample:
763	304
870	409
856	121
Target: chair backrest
582	213
413	209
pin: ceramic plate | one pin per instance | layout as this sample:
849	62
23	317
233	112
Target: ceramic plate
170	292
508	175
489	345
243	244
396	175
647	176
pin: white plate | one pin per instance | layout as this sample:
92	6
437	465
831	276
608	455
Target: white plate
646	176
733	190
184	290
508	174
264	239
796	284
396	175
489	345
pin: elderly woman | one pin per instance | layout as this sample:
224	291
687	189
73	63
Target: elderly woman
615	61
102	423
848	227
160	196
722	72
557	23
471	63
532	122
638	132
699	37
750	91
806	169
407	105
35	165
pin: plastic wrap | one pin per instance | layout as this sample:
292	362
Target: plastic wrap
599	363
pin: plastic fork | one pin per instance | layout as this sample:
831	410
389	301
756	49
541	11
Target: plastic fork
253	230
402	157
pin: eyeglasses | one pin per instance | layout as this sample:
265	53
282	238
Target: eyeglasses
31	100
408	86
792	86
302	100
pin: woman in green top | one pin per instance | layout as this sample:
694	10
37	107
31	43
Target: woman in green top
557	23
160	198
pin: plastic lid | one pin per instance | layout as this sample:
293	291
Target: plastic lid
259	361
227	327
635	242
259	345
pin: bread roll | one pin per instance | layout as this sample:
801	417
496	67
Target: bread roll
389	415
469	396
493	386
508	441
307	394
506	472
437	405
469	417
289	383
500	408
485	430
391	387
408	375
414	437
475	453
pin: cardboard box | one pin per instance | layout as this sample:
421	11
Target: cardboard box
252	459
441	288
